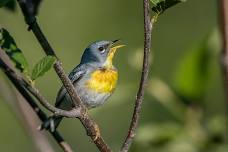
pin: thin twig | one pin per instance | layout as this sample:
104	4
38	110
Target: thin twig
90	126
31	121
223	8
23	112
145	71
13	77
35	92
33	25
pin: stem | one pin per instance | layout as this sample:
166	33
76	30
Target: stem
23	112
145	71
42	116
91	127
223	8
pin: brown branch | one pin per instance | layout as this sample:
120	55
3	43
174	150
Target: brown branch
23	112
90	126
33	25
25	116
35	92
223	8
19	85
145	71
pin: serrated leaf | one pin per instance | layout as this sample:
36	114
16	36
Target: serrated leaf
8	44
42	67
155	2
161	6
193	72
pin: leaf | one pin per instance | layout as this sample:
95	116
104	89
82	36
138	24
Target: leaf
193	72
43	66
8	44
155	2
8	4
11	5
4	2
161	6
157	133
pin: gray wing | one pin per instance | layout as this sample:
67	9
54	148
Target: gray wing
74	76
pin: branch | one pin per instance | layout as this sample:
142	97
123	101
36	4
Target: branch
15	79
31	121
145	71
90	126
223	8
35	92
23	112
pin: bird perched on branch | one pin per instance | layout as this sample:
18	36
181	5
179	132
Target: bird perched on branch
94	79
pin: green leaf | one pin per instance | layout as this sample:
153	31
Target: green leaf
8	44
4	2
155	2
11	5
157	133
43	66
160	6
193	73
8	4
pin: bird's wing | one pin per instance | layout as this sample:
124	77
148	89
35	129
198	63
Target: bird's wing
74	76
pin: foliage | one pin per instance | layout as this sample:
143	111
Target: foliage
192	77
199	131
160	6
42	66
11	5
193	72
8	4
4	2
8	44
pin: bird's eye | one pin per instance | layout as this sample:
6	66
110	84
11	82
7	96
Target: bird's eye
101	49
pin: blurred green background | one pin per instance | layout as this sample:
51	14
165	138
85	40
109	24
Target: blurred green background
183	109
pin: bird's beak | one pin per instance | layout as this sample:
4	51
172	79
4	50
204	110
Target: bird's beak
117	40
113	47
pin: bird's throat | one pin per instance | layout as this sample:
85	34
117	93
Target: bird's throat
108	63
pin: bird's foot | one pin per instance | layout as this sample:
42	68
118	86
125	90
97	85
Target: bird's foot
97	132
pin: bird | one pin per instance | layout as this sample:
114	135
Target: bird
94	79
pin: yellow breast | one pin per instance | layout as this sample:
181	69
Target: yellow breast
103	81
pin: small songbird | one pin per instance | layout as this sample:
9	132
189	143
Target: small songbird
94	80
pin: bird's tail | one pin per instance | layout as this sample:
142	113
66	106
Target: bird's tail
51	123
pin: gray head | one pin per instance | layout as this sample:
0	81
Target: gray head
98	52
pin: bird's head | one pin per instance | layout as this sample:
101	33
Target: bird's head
101	52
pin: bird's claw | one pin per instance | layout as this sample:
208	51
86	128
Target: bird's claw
97	132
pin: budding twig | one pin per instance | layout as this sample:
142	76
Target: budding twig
90	126
145	71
